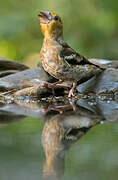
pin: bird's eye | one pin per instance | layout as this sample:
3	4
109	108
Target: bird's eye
56	18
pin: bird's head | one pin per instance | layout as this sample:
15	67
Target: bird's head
51	25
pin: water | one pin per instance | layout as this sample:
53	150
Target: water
38	141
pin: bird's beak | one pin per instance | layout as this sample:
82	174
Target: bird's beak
45	17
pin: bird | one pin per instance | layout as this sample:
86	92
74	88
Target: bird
59	59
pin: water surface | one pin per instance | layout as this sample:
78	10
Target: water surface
38	142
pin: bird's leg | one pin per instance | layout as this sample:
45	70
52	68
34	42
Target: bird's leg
71	92
53	85
72	103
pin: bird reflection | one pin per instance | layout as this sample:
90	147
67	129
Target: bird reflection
52	138
59	133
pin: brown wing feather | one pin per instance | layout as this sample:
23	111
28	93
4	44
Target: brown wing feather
71	56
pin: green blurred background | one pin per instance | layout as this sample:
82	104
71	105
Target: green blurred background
90	27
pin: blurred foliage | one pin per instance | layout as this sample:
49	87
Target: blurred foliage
90	27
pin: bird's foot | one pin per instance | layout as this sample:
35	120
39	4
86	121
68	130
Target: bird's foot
52	86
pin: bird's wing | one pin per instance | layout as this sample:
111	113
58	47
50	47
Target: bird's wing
71	56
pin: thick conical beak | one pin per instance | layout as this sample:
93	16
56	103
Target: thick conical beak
45	17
